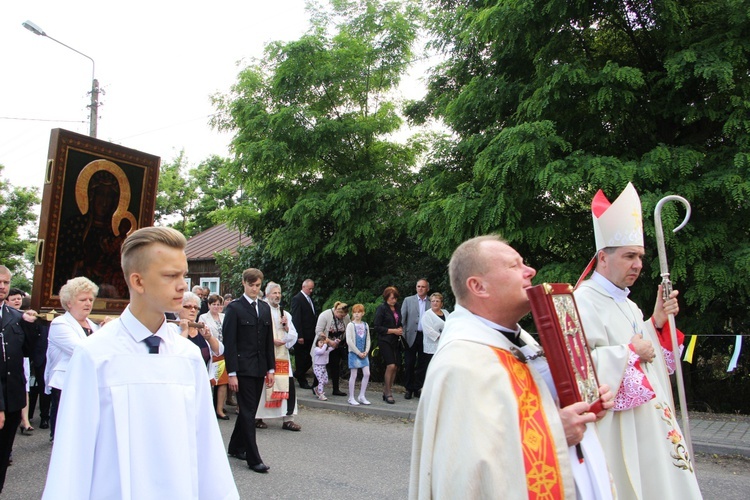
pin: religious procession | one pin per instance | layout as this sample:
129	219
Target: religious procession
429	250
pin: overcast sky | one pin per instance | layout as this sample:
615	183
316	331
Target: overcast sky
157	61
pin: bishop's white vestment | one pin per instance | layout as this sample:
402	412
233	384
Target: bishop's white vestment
646	452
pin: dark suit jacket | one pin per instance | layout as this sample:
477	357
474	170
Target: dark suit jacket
18	337
41	334
384	321
303	317
248	339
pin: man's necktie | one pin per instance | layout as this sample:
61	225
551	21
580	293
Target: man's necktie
309	301
153	344
254	306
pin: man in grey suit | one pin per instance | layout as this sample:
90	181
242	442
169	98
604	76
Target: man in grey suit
251	363
412	310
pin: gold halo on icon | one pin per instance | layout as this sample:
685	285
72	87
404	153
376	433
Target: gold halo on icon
82	193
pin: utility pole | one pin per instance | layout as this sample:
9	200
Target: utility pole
94	106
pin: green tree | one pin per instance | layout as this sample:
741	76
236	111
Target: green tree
176	195
217	190
16	211
552	100
549	101
327	185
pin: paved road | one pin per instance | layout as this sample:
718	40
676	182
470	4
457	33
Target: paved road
338	455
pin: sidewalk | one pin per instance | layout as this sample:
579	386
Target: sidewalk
721	434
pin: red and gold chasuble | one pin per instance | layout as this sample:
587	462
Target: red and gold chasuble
543	477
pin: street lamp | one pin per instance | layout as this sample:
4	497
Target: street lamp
94	106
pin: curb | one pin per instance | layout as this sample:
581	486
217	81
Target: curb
402	409
362	409
721	449
407	410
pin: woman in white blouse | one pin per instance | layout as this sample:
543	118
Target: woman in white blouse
66	332
433	322
214	319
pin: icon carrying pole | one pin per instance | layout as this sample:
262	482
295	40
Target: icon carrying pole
666	291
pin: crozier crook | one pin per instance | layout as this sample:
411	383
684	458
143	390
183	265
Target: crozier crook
666	290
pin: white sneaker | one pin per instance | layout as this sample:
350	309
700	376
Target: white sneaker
363	400
353	403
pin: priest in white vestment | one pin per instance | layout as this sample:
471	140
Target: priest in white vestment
280	400
136	420
643	443
488	423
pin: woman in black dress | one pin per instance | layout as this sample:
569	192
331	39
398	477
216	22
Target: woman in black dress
387	325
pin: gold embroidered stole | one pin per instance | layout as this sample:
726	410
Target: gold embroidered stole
280	389
543	477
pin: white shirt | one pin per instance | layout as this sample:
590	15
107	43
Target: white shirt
65	334
134	425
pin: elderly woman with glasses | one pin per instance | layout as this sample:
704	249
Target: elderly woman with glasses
201	335
332	323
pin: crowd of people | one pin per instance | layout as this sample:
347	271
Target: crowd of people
489	423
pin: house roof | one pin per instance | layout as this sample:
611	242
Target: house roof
203	245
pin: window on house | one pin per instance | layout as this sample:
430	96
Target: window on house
212	284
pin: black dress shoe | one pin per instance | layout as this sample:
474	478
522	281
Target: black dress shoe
407	395
304	385
222	417
241	455
261	467
418	393
44	424
338	393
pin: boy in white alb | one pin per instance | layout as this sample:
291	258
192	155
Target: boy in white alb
136	420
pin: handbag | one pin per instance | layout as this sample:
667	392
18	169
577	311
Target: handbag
402	344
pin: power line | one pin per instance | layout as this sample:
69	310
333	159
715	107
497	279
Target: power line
39	119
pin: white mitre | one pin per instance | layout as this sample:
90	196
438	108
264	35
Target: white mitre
620	223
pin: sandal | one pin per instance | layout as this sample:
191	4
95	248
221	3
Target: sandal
260	424
291	426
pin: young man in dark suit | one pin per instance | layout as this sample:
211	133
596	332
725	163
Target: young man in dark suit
304	317
250	362
17	337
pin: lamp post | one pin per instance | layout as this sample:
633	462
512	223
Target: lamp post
94	106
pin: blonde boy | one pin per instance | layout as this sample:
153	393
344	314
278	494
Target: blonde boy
136	419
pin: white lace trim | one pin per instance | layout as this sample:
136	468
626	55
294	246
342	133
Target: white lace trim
669	360
633	391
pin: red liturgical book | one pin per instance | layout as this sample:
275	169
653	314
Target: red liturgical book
561	333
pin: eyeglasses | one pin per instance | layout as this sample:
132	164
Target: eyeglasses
191	307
